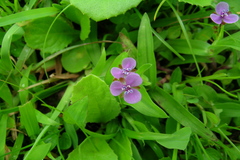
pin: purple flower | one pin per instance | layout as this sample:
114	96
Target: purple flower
223	14
128	64
131	95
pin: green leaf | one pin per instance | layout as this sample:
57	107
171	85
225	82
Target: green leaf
147	107
5	94
27	15
128	45
229	109
121	146
75	60
199	47
77	112
81	19
44	119
23	95
85	26
60	35
65	141
177	140
181	114
146	49
39	152
104	9
28	119
17	146
102	106
231	41
3	129
176	76
201	3
98	69
93	148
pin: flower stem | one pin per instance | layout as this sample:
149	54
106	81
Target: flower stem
220	34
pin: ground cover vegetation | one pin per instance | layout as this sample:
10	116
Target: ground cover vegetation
119	80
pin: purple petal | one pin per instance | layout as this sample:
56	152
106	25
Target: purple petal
116	88
231	18
216	18
133	80
116	72
133	97
129	63
222	6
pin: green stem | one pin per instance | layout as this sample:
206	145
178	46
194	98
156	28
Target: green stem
203	149
220	35
221	132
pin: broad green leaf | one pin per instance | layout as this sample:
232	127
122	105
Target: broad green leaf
181	114
231	41
201	3
93	148
176	76
77	112
147	107
102	106
71	131
85	26
75	60
81	19
28	119
121	146
177	140
39	152
93	49
199	47
60	35
146	49
229	109
104	9
65	141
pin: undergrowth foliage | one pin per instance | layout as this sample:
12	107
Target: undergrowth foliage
119	80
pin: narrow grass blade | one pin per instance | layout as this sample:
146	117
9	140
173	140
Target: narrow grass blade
3	129
5	94
28	15
128	45
146	49
180	114
24	55
63	103
17	147
39	152
6	62
23	95
28	119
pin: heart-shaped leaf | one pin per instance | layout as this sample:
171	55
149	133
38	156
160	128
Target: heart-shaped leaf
104	9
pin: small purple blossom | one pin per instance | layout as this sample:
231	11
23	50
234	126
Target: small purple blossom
223	14
128	64
128	88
